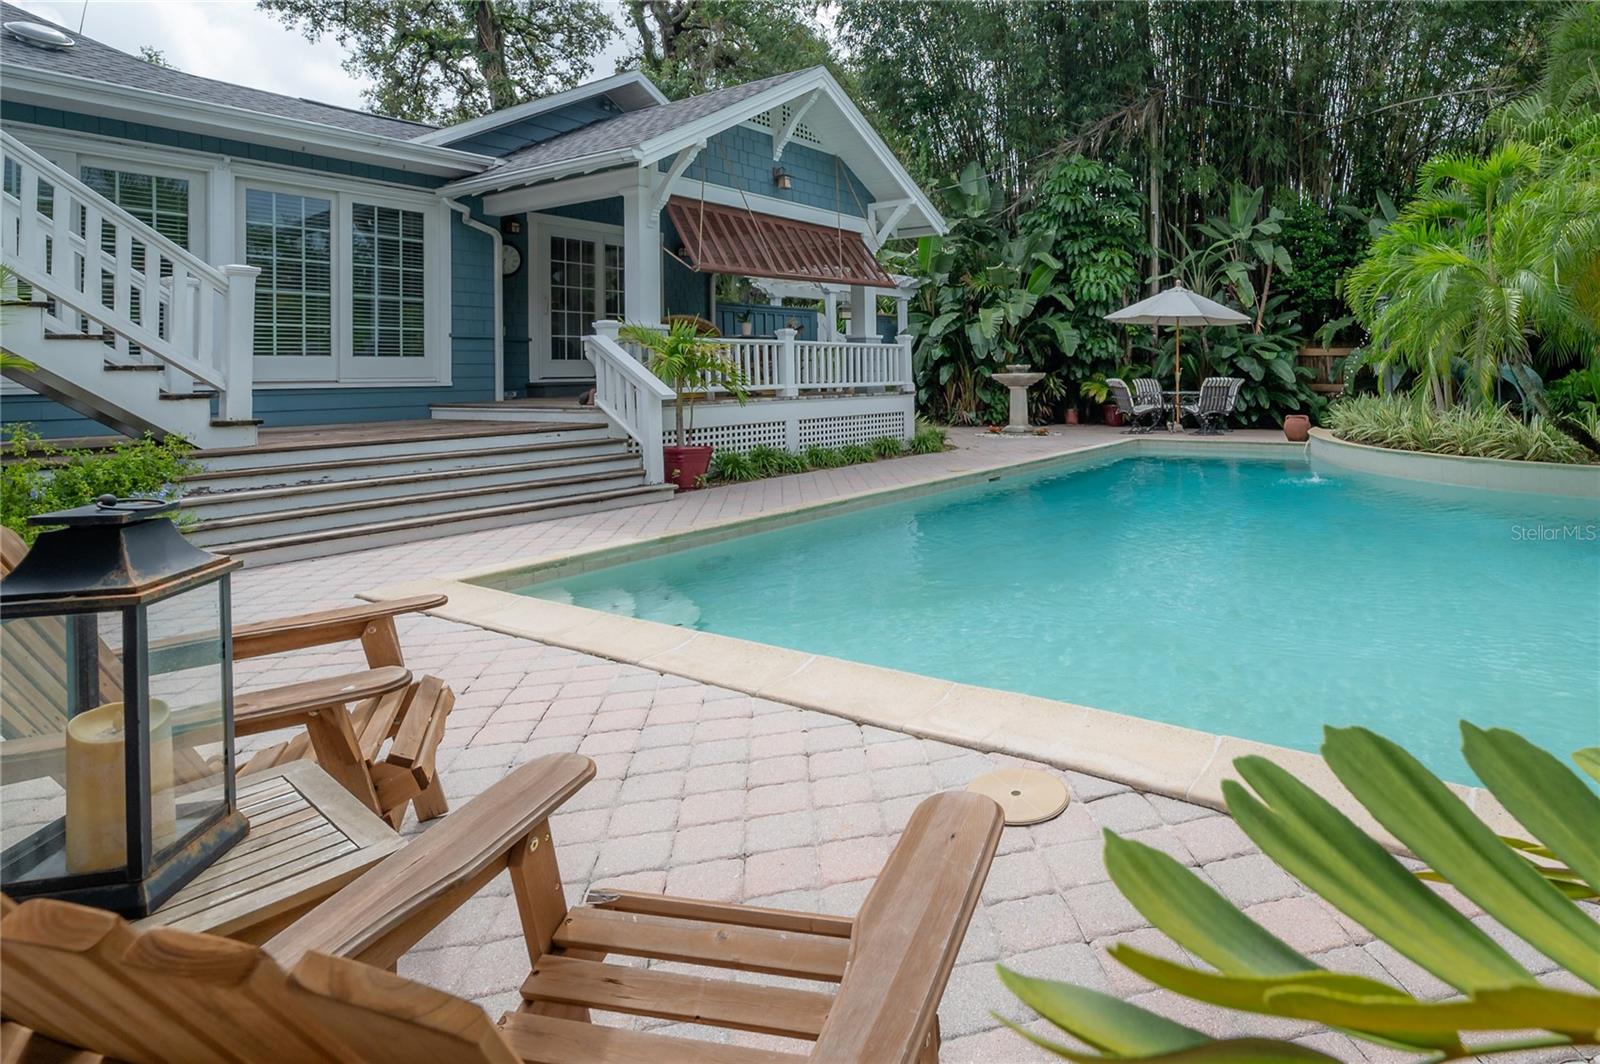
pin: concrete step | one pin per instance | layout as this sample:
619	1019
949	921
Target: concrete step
407	484
531	411
321	469
266	550
422	506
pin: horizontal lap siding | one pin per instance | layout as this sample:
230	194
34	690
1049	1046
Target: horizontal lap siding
473	275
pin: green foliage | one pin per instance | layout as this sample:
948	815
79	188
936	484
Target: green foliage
690	363
38	478
776	462
1576	395
693	46
856	453
824	457
1409	423
888	447
732	466
1526	886
928	439
1322	244
448	61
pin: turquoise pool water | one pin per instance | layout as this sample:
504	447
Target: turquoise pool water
1249	597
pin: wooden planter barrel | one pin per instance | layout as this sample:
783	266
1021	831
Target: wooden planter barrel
1320	360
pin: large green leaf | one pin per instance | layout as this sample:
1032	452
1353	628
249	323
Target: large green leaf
1575	1016
1194	915
1108	1024
1253	994
1437	826
1221	1051
1588	759
1544	795
1319	845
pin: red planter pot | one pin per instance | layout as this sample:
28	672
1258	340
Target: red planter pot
1110	414
1297	428
1071	417
686	465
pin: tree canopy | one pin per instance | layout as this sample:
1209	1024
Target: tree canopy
693	46
450	60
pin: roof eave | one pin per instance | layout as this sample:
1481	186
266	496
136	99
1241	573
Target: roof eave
632	79
496	180
68	91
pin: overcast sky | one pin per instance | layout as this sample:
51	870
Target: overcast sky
232	41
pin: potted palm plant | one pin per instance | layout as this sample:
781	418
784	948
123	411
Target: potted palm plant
691	364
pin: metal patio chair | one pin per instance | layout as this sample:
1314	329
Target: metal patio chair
1213	405
1140	416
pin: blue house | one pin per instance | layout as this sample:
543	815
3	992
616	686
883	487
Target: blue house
278	262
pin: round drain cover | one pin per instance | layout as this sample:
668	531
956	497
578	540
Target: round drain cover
1026	795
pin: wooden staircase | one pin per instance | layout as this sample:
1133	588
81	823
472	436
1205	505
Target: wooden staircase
317	491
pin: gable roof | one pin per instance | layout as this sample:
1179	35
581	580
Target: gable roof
90	59
630	91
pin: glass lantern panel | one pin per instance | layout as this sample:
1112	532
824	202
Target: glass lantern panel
62	794
189	771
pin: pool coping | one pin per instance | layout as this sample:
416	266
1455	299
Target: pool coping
1457	470
1166	759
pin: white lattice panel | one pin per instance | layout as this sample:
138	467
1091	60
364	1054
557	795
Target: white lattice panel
739	437
850	428
802	132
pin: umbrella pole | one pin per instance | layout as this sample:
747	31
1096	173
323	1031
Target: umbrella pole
1177	378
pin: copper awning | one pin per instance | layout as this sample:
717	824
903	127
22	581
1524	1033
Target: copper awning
720	239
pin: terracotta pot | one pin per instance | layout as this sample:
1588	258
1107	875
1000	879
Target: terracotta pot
1110	414
686	465
1072	416
1297	428
746	328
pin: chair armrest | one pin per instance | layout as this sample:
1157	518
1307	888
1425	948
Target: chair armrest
324	627
281	707
379	916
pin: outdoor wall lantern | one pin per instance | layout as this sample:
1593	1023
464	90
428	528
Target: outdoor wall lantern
116	769
781	178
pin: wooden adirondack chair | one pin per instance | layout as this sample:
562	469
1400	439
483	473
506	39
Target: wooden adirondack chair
321	990
347	720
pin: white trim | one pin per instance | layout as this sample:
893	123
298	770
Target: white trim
541	227
780	137
559	193
883	231
631	79
680	163
504	178
70	92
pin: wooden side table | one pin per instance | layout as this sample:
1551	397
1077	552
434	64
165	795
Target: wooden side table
308	837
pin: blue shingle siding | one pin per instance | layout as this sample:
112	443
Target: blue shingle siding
766	319
171	138
602	211
741	158
514	136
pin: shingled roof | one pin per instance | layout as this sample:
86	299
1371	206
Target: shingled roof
90	59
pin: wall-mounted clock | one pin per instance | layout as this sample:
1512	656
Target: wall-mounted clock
510	260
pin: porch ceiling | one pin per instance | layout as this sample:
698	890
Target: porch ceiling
721	239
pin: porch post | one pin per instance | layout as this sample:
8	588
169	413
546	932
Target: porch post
863	313
830	314
787	383
238	353
908	373
902	313
641	251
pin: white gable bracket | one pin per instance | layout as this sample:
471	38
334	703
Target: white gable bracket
680	163
900	207
780	137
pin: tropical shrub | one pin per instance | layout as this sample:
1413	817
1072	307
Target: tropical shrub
928	439
731	467
776	462
856	453
1322	244
1409	423
690	364
37	477
1527	885
818	457
888	447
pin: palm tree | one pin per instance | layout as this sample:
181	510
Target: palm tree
690	363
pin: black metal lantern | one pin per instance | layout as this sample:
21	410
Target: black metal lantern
116	710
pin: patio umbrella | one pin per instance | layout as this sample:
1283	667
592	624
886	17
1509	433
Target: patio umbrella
1177	306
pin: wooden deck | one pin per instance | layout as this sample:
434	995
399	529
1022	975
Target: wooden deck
309	437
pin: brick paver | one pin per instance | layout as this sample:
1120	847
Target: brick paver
710	793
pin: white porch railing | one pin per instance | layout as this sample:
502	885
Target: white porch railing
151	299
629	394
788	367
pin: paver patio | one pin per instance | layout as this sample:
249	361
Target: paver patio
709	792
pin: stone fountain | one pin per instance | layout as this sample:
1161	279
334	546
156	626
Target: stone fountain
1019	379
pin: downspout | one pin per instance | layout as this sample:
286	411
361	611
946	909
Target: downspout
499	296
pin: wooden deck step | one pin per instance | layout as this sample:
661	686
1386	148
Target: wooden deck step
715	945
690	998
292	471
547	1040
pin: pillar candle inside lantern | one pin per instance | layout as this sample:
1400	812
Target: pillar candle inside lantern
97	819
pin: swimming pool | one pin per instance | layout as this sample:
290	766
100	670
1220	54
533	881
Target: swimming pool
1243	596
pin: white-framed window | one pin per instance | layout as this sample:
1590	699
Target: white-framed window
354	285
578	276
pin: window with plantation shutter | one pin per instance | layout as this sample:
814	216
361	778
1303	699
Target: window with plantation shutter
289	238
387	283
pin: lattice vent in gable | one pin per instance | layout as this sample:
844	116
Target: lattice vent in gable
802	132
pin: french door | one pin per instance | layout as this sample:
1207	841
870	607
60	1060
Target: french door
582	278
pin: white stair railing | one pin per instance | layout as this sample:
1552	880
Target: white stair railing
629	394
150	297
